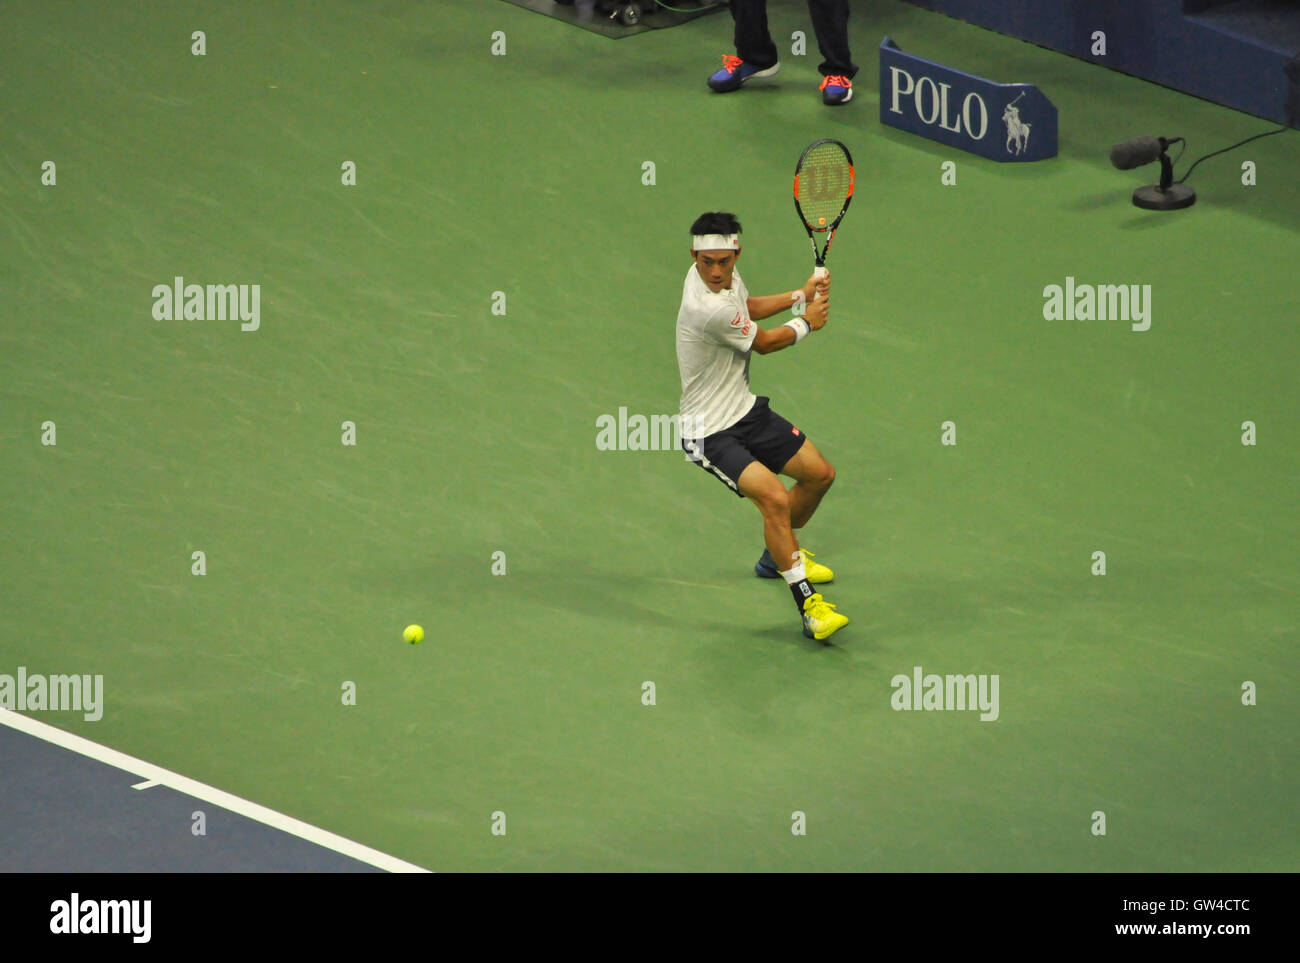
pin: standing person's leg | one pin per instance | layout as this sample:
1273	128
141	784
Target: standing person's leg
753	40
755	55
831	22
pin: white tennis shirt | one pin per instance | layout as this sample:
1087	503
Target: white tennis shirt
714	338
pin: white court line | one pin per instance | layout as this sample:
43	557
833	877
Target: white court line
159	776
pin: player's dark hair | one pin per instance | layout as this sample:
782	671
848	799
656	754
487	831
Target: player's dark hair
716	222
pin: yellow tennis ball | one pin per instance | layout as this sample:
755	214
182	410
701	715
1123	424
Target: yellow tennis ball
413	634
821	220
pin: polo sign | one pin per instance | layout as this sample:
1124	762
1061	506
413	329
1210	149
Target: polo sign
1003	122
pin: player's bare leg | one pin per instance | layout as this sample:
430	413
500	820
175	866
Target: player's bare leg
813	477
765	490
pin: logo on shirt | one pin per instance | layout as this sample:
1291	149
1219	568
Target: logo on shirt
794	430
735	322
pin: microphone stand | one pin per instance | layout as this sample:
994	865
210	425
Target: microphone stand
1165	196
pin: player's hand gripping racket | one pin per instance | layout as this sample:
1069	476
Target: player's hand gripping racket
823	187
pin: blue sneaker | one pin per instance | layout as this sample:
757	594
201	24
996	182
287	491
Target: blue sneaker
735	72
836	89
765	567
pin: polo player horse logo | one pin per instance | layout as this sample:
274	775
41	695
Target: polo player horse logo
1017	130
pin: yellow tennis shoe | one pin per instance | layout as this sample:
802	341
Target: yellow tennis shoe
820	620
814	572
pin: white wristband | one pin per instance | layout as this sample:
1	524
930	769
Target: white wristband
800	328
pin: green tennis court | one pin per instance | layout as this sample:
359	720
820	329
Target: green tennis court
515	183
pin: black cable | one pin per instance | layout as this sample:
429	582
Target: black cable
1266	133
1295	60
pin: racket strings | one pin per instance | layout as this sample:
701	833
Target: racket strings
825	182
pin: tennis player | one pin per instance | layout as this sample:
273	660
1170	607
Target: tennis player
734	435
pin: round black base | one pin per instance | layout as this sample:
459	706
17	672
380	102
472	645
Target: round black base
1153	198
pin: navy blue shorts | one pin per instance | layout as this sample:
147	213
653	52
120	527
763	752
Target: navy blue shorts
762	436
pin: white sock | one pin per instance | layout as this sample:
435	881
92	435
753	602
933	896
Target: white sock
796	574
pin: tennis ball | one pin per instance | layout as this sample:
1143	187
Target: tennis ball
821	220
413	634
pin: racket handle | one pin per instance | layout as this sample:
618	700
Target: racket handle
819	272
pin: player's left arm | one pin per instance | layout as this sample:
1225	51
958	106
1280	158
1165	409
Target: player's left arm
767	305
783	336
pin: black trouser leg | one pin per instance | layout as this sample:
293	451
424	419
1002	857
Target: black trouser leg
753	42
831	21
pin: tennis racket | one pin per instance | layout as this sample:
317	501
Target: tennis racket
823	187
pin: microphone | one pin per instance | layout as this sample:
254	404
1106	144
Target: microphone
1138	151
1164	196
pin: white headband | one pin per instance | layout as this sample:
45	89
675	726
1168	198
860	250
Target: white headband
715	242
